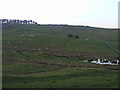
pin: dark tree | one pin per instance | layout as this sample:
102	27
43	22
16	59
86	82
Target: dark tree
70	35
17	21
77	36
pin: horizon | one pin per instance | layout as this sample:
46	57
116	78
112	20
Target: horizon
100	13
62	24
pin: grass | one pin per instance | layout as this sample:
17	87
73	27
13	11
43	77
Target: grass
27	62
67	78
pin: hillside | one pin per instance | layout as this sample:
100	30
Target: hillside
47	56
91	40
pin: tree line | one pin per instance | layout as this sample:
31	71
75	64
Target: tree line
17	21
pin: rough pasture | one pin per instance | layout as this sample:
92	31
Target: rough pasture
36	56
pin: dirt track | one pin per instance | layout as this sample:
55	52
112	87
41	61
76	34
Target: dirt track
110	46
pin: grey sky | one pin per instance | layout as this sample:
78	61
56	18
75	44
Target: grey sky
99	13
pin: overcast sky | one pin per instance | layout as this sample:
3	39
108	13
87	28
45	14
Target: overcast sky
99	13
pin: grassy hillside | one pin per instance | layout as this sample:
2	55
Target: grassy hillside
55	38
37	56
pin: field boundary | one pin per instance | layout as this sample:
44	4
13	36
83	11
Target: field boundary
110	46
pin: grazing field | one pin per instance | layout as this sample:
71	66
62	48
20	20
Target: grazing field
41	56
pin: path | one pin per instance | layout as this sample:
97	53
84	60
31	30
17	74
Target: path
110	46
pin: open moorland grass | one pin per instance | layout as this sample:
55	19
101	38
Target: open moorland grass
42	56
65	78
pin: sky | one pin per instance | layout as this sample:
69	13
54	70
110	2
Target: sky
97	13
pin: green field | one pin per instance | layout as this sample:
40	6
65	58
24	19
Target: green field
41	56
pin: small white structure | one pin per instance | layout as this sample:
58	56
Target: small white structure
87	39
94	61
39	49
117	62
99	61
105	59
85	60
109	63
